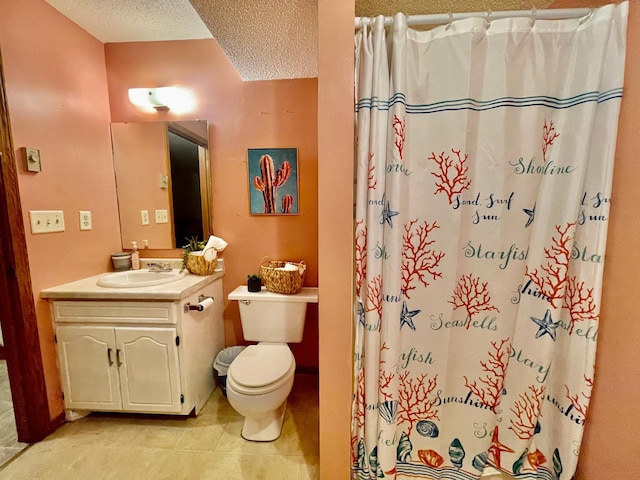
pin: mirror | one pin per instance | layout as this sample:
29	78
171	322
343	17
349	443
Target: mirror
163	181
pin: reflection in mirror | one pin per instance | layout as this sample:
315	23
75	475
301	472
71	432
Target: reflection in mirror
163	182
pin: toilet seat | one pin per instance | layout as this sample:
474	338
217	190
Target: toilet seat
261	369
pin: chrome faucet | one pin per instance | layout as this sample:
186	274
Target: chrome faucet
157	267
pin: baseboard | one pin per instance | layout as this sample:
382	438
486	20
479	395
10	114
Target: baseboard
56	422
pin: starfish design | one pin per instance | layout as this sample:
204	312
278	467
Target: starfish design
496	449
531	213
547	325
387	214
406	317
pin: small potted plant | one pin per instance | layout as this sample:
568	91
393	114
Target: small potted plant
254	283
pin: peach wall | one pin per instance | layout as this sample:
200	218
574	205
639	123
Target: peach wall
241	115
611	432
335	140
140	157
57	99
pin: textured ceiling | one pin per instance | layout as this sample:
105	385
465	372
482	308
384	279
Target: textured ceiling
134	20
264	39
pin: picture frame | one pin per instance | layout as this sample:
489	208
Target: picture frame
273	181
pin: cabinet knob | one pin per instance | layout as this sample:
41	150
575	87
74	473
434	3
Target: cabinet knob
118	357
109	356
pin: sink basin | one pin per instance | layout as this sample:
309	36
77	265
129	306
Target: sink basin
138	278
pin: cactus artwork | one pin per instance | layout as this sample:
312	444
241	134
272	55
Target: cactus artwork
268	183
273	181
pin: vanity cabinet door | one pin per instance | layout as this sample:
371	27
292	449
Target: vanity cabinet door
149	369
88	370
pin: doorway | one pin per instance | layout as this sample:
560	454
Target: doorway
185	188
17	308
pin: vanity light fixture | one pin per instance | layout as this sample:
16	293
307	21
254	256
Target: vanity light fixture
178	99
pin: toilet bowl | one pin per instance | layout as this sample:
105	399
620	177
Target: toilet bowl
259	381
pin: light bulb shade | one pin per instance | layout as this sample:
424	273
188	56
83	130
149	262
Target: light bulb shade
177	99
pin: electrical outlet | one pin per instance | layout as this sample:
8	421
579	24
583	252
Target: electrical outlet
46	221
164	181
162	216
85	220
144	215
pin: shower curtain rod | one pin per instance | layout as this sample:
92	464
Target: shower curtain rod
445	18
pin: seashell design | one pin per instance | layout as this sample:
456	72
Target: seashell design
404	448
557	463
362	456
373	461
518	465
480	461
536	458
388	410
430	457
456	453
427	428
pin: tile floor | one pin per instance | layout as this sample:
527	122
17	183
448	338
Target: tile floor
9	445
209	446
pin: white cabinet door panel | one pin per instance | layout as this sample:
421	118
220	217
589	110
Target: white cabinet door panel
87	367
149	369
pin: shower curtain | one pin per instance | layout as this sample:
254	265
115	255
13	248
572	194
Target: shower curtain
484	164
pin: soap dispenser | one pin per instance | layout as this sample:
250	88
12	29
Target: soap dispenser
135	256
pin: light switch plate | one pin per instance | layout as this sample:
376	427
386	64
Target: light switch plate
32	159
162	216
46	221
85	220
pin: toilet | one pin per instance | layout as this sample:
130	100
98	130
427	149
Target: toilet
260	378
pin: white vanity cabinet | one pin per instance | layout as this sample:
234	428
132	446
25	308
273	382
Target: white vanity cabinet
138	355
121	368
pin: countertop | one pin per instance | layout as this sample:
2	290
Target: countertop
88	289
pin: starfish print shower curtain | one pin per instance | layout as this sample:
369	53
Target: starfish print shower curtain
484	165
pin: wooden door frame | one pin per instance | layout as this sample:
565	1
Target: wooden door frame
17	307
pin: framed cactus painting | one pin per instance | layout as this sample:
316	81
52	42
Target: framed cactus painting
273	181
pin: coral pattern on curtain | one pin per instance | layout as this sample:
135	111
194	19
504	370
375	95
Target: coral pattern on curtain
484	165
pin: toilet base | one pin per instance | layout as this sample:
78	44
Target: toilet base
265	428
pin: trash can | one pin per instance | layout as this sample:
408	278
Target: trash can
222	362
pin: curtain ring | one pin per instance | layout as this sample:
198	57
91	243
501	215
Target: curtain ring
489	16
534	15
450	22
587	17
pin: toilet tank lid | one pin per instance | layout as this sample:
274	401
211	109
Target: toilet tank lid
306	295
261	364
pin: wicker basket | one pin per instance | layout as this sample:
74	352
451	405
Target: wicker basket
198	265
282	281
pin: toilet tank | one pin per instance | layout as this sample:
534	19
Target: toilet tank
273	317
